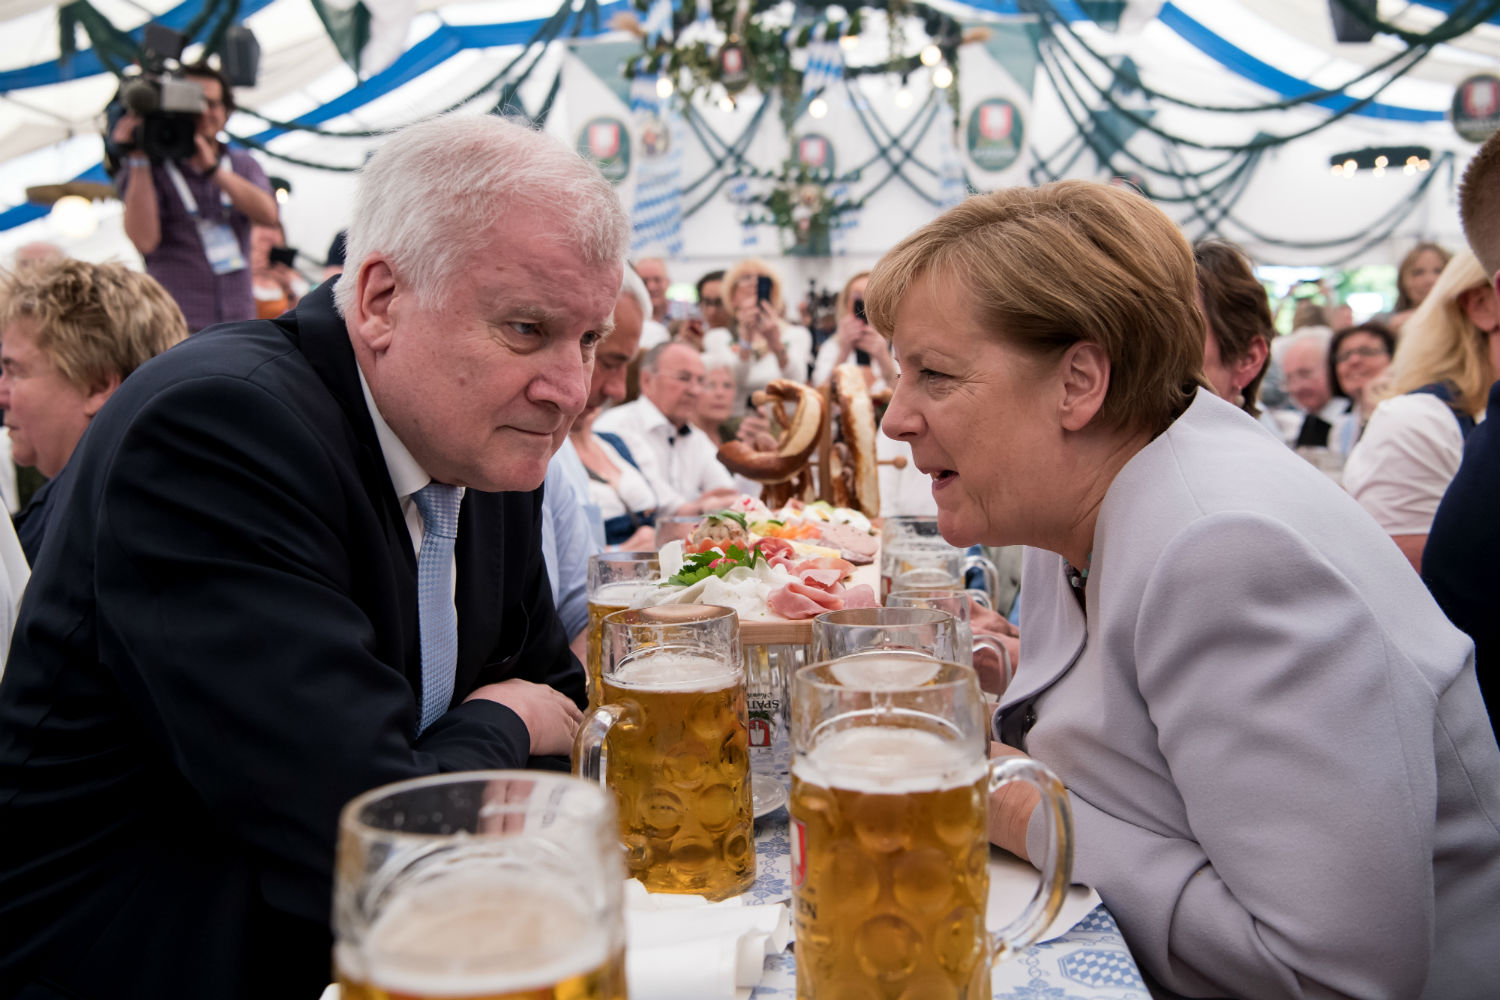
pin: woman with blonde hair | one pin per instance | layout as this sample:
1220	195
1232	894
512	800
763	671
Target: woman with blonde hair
1272	740
855	340
766	346
1439	381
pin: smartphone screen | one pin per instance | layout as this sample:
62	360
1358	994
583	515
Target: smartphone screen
763	288
859	311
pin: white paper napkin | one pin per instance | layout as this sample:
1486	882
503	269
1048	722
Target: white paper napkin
1012	881
686	948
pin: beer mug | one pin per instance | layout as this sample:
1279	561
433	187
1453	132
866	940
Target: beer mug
616	580
496	884
915	556
890	847
676	527
956	603
854	630
671	741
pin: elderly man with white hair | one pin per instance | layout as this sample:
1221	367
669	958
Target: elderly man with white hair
1318	414
296	560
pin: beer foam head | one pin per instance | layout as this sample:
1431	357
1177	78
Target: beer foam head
889	760
625	593
674	670
475	932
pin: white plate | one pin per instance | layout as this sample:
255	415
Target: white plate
766	794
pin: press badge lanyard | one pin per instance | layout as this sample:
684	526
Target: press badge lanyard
220	245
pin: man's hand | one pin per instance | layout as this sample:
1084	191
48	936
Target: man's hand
990	622
124	133
205	153
550	716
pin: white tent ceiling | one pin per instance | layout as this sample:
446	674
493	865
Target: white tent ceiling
49	133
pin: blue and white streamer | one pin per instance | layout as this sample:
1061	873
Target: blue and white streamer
658	23
739	195
656	218
953	188
842	223
705	11
825	63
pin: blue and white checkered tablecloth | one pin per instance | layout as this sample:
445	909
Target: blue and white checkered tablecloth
1089	962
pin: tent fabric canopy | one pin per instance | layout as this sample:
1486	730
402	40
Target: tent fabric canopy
1229	53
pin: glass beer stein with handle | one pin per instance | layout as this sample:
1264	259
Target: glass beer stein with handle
485	885
616	580
956	603
854	630
671	740
890	847
914	556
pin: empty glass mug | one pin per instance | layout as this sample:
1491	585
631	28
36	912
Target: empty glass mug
670	739
890	847
616	581
915	556
480	884
854	630
956	603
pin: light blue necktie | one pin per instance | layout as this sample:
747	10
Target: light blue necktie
436	620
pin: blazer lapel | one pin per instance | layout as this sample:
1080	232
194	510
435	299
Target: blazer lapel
1055	631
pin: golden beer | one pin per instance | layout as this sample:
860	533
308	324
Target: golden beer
483	934
890	866
679	765
605	601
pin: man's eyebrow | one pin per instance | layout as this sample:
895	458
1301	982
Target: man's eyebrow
607	327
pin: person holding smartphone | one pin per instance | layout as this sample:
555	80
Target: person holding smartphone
766	345
855	340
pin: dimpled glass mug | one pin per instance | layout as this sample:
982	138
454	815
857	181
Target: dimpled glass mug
671	740
890	852
484	885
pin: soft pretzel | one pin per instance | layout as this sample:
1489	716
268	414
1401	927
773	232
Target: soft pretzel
799	435
856	482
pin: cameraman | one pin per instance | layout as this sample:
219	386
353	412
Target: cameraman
191	218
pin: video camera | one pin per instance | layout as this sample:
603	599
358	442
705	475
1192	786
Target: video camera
167	102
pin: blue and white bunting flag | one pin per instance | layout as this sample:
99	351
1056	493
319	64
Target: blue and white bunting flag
656	218
825	63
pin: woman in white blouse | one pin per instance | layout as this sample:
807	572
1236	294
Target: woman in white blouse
1448	358
765	345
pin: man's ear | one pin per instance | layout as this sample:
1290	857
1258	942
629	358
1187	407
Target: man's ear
1084	371
371	318
1246	368
1482	306
100	395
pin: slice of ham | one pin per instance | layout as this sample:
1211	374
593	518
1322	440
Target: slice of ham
823	579
862	596
857	546
844	566
797	601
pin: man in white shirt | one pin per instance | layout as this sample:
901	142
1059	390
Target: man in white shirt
676	457
1319	415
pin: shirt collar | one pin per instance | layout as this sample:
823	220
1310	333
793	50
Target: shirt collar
656	421
406	475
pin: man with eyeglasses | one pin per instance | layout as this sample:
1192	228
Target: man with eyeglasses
675	457
191	219
1320	415
716	315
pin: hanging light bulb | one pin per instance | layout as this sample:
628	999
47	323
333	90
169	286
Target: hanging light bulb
1379	171
817	107
1350	167
1382	161
1338	170
664	87
942	78
1423	164
726	103
1409	169
73	217
847	42
932	55
903	97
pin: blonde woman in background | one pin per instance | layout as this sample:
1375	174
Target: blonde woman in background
1447	359
765	345
855	340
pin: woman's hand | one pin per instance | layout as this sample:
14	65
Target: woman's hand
643	539
990	622
1010	809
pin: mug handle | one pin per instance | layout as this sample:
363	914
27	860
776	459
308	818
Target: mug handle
979	597
1007	666
991	574
589	760
1057	865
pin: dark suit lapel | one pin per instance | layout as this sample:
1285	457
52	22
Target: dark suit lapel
323	338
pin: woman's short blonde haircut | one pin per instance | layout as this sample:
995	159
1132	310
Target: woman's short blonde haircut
754	267
845	303
1440	344
1045	268
93	321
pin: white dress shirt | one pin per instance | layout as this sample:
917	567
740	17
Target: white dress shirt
682	463
406	475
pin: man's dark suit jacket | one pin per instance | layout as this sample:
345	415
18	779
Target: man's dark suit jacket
217	649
